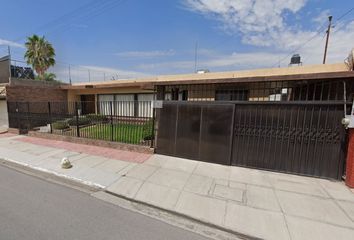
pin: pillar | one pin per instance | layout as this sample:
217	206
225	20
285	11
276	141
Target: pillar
349	180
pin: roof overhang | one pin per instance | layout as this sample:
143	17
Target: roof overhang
309	72
296	77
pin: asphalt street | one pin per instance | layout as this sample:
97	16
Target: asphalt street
34	209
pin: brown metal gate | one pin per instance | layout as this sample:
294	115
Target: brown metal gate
304	138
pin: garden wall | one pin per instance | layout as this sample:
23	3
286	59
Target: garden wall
35	91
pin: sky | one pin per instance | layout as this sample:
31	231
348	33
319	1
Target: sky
115	39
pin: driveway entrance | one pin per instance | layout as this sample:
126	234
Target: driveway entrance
304	138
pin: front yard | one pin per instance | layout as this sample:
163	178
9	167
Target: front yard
133	133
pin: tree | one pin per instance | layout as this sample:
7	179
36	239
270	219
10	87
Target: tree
48	77
40	54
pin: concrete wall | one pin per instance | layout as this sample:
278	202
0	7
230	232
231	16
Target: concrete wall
3	114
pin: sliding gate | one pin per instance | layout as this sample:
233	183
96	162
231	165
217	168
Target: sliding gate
295	137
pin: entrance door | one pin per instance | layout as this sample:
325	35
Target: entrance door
196	131
88	104
306	139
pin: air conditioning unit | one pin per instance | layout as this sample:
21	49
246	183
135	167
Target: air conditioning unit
350	60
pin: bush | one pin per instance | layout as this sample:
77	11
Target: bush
60	125
81	121
147	130
96	118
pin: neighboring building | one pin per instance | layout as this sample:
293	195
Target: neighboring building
4	80
3	109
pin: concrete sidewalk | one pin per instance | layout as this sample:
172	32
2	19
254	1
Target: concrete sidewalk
252	202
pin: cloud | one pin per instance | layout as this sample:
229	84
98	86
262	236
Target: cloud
10	43
248	17
340	44
146	54
265	24
322	16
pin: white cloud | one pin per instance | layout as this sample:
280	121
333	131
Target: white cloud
10	43
340	44
251	18
262	23
319	19
146	54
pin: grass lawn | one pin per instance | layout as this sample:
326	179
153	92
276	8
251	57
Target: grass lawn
122	132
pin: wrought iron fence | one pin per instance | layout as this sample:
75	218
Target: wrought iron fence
130	122
266	91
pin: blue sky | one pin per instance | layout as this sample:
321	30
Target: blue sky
135	38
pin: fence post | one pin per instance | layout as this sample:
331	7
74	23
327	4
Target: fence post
153	127
18	116
50	117
111	105
77	120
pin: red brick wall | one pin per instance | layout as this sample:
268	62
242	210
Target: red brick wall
349	180
35	94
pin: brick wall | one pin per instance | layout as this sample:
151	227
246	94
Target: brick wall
23	93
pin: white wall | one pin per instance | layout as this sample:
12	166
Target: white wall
3	114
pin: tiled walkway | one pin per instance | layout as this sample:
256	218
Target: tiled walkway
257	203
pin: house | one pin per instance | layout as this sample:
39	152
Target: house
279	119
252	85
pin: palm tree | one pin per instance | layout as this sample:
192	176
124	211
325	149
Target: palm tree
40	54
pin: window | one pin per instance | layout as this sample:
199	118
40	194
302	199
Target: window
231	95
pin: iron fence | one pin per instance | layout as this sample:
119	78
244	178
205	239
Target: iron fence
67	73
267	91
130	122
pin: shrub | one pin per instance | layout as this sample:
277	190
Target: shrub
147	130
96	117
60	125
81	121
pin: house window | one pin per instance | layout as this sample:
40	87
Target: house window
232	95
177	95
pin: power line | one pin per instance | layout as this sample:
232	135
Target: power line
300	46
343	26
65	16
110	4
87	11
345	14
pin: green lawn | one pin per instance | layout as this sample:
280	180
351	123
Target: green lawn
122	132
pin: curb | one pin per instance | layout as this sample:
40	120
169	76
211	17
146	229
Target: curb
94	187
237	234
50	175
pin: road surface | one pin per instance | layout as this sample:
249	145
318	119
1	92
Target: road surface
34	209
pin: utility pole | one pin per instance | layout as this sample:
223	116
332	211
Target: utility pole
327	39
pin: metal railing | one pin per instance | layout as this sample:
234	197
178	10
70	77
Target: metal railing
267	91
130	122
